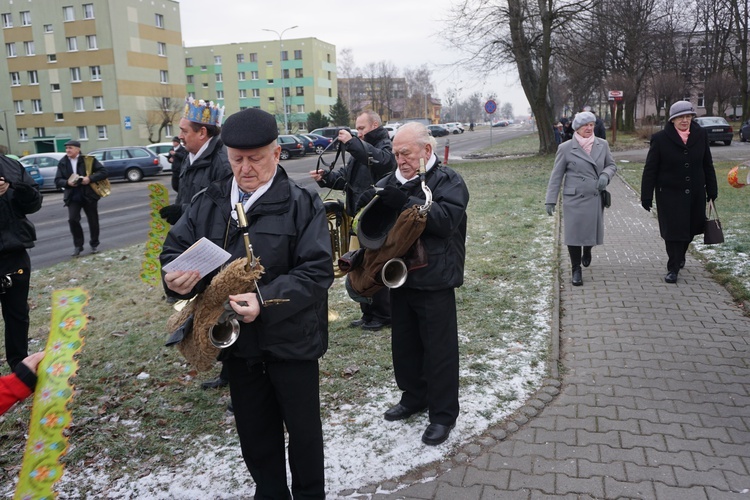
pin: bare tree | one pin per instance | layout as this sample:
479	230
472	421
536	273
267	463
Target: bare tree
161	112
741	16
721	87
348	70
419	89
667	88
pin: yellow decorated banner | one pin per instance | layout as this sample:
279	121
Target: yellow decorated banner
50	416
158	229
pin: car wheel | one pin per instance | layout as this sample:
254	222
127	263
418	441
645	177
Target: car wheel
742	137
728	143
133	175
284	155
455	132
319	150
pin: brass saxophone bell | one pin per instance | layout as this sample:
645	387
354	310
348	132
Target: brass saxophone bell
394	273
225	333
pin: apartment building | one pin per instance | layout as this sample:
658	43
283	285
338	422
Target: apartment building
104	72
288	78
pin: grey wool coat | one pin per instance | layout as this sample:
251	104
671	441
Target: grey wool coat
583	214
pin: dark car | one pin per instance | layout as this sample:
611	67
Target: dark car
309	146
290	146
332	132
320	142
47	165
128	162
438	130
717	129
745	131
501	123
33	171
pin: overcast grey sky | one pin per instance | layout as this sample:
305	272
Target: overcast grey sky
405	32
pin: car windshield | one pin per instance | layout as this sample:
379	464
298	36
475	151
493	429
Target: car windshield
710	121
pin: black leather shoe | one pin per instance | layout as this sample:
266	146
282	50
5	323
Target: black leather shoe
358	322
436	434
215	383
586	260
373	326
77	252
400	412
94	249
577	277
671	277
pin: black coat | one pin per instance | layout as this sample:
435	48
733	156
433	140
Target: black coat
289	233
176	157
22	198
370	160
210	166
683	177
83	194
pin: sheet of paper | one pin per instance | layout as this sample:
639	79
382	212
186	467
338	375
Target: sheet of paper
203	256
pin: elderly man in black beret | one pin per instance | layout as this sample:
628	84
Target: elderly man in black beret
75	173
273	366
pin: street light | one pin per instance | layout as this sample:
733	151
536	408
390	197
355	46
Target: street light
7	133
281	60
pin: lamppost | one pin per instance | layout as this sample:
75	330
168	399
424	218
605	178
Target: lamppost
281	60
7	133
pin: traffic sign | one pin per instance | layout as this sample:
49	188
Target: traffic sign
615	95
490	106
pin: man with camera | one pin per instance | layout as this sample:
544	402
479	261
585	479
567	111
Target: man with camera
19	196
371	159
73	176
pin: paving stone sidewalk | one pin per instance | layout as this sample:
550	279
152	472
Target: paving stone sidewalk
654	400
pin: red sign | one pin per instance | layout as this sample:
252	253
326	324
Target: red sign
615	95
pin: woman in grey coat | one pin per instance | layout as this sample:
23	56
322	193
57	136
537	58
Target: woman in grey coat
587	166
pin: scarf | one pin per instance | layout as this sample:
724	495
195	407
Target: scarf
683	135
585	143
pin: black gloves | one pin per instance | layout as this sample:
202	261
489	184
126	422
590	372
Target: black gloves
171	213
601	184
646	204
393	197
550	208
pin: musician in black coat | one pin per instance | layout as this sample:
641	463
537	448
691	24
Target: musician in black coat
423	310
680	169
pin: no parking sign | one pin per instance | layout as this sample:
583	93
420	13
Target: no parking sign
490	106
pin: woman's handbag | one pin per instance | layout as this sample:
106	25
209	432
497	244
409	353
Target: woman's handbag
606	199
102	187
713	232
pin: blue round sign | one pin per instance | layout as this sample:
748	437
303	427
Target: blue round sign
490	107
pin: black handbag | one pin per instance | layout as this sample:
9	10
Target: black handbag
713	233
606	199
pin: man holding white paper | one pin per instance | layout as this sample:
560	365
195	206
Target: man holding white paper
273	366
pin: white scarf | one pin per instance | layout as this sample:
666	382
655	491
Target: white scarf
403	180
235	195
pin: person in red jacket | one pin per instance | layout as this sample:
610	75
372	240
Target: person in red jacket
19	384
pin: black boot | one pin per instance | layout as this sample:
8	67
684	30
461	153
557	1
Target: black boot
586	258
577	276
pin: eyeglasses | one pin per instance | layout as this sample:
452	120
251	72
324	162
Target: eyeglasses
684	117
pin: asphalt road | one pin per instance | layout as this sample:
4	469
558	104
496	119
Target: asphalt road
124	215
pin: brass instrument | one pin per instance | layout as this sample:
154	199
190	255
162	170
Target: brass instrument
339	226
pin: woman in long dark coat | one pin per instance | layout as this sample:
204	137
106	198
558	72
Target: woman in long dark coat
586	164
680	169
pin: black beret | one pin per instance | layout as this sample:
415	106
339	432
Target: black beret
249	129
73	143
175	139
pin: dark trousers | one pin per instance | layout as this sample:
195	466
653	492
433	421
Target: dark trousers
380	309
15	305
676	251
424	342
267	397
74	221
575	255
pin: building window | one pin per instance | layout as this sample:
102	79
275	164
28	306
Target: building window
96	73
159	23
28	47
48	28
163	76
78	104
36	105
88	11
25	18
10	49
72	43
286	91
297	55
288	109
241	76
51	58
253	57
330	93
98	102
7	20
701	100
284	73
243	93
23	135
166	103
205	85
220	94
219	77
68	14
204	68
300	90
269	81
54	87
240	58
300	108
59	117
271	99
168	129
256	92
190	79
269	63
284	55
298	73
253	75
188	62
83	133
18	105
33	77
101	130
161	48
91	42
191	94
40	132
75	74
15	78
217	59
328	57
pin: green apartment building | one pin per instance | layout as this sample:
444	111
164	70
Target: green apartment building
296	75
105	72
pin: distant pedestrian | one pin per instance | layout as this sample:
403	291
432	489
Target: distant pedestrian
680	169
175	157
587	166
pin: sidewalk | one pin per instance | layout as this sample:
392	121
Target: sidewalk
654	400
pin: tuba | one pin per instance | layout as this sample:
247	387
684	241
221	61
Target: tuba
339	226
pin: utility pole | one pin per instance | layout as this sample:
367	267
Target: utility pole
281	65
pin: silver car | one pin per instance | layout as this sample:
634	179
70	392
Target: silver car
47	165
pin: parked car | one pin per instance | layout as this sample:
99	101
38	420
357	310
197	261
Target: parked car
391	130
47	165
306	142
128	162
332	132
290	146
745	131
32	170
438	130
320	142
501	123
162	149
717	128
454	127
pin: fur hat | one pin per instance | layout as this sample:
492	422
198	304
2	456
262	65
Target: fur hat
582	119
681	108
250	128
